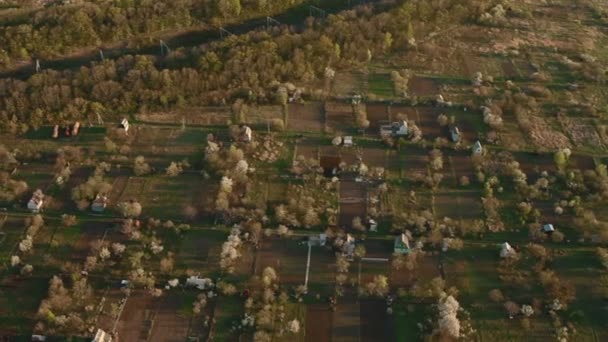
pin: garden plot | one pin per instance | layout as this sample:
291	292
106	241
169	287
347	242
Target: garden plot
458	205
376	324
339	117
427	122
532	164
308	150
205	116
510	70
138	317
457	165
381	85
423	86
349	83
306	117
318	323
377	114
287	257
170	322
353	202
346	321
413	160
582	134
166	197
88	233
199	251
375	157
426	269
321	275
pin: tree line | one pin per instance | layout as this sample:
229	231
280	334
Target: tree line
60	29
250	65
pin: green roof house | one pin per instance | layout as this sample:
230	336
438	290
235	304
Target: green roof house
402	244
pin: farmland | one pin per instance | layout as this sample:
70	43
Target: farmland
396	171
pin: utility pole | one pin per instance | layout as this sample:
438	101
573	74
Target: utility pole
101	54
271	21
223	32
314	11
164	48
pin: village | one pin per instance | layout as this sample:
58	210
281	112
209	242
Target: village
436	171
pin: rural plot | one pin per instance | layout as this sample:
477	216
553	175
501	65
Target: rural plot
413	161
137	317
199	251
205	116
381	85
377	114
171	322
287	257
346	320
318	323
376	324
321	275
458	205
425	270
167	197
306	117
353	202
347	84
339	117
423	86
456	166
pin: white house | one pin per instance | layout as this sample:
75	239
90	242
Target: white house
100	203
199	283
506	251
102	336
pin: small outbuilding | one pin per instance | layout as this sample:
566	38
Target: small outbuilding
99	203
548	228
102	336
454	134
36	202
124	124
477	148
402	244
506	251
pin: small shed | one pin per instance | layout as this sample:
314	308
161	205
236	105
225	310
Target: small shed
454	134
199	283
35	203
506	251
317	240
102	336
477	148
124	124
548	228
99	203
246	133
348	141
402	244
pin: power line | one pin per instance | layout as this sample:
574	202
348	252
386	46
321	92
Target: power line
164	48
223	32
271	21
312	10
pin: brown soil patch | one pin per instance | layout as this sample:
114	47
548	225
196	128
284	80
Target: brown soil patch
377	114
169	324
352	202
509	69
306	117
423	86
346	321
288	260
339	117
376	325
318	323
137	317
194	116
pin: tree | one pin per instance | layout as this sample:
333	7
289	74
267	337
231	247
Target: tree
130	208
140	167
449	324
229	8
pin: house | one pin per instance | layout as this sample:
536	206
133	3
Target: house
348	141
402	244
548	228
75	128
395	129
99	203
36	202
454	134
477	148
102	336
38	338
124	124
